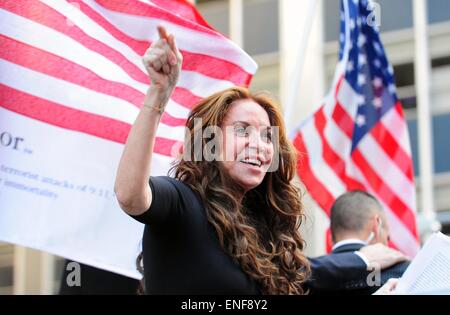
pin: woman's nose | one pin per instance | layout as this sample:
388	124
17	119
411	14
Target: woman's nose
254	140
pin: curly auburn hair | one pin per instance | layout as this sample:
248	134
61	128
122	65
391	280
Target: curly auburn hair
260	232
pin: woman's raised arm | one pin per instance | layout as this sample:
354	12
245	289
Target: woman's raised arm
163	64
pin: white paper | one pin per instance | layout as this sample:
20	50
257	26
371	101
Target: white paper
429	272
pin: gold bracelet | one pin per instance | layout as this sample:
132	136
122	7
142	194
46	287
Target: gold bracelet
159	109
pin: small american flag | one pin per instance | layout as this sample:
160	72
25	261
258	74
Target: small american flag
359	139
77	64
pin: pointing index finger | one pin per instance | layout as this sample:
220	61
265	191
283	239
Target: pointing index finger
171	41
162	32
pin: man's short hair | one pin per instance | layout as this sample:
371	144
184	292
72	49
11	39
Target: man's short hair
351	212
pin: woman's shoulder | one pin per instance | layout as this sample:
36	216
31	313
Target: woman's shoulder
168	179
188	200
181	187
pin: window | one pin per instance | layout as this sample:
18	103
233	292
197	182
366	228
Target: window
441	143
216	13
438	11
260	18
395	15
440	108
404	79
440	62
261	26
331	15
260	36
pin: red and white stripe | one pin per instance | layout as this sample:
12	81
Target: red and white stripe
77	64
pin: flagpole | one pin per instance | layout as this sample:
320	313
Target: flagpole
422	81
293	92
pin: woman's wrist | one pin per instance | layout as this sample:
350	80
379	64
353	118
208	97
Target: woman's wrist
156	100
158	108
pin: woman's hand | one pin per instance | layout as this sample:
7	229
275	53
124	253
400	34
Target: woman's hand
163	64
380	256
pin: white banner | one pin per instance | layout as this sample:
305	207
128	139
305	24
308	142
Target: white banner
56	194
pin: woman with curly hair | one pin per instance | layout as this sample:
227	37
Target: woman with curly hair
223	225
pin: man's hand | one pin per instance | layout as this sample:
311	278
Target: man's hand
381	256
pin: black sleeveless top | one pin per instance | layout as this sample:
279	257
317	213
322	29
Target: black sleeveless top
182	253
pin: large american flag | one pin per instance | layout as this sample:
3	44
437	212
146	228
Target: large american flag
71	85
77	64
358	139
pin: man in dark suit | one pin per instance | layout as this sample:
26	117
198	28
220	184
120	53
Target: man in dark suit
357	220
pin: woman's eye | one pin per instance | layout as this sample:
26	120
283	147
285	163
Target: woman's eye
266	136
240	131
